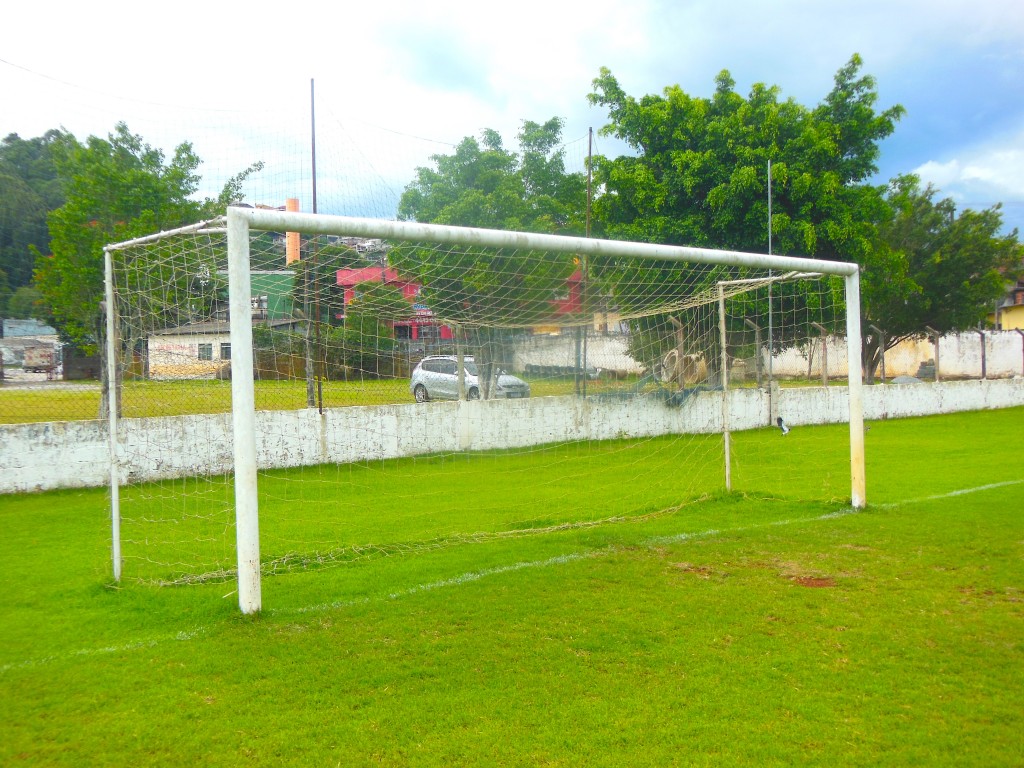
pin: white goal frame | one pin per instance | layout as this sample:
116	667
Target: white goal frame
242	221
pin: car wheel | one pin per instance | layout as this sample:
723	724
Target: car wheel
420	393
473	394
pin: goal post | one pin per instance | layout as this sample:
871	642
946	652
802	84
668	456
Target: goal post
576	350
855	389
243	416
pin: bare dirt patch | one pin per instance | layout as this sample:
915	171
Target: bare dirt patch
813	581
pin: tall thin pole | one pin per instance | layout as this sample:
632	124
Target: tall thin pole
771	337
769	209
316	253
590	172
312	119
586	262
725	387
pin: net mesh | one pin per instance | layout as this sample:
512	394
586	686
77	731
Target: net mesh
414	396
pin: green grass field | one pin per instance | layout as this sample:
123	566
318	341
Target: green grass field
772	626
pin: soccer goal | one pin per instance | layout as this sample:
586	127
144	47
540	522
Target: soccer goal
280	382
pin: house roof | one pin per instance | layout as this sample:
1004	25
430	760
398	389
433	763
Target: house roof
212	327
349	277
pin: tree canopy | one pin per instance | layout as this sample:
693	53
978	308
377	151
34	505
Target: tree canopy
482	184
700	172
950	268
698	175
29	190
494	188
116	188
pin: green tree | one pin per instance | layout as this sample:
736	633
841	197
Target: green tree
947	270
29	189
25	303
379	300
483	184
698	175
116	189
5	293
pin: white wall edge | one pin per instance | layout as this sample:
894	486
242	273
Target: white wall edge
75	454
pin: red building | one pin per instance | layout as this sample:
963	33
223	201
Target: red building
424	326
421	326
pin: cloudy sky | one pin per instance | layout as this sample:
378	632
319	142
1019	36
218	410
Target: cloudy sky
398	81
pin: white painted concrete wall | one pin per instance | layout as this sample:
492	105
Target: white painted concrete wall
605	352
959	355
51	455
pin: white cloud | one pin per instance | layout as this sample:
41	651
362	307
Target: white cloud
983	176
997	167
939	174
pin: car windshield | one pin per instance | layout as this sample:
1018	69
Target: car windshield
470	367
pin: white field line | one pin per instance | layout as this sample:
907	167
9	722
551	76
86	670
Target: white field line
951	494
472	576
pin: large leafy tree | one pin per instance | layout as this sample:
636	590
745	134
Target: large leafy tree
116	188
483	184
698	174
948	268
29	189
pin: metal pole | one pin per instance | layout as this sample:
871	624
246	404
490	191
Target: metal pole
312	119
770	329
115	483
590	172
585	262
243	414
316	253
769	207
725	387
757	346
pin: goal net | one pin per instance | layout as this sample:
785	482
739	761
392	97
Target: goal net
293	392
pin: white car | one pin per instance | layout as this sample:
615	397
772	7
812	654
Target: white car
436	378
